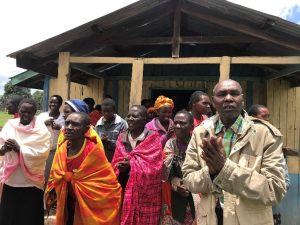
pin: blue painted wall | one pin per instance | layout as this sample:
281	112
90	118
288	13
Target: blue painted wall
289	207
46	93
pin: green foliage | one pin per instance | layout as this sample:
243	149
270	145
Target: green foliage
12	90
38	97
4	117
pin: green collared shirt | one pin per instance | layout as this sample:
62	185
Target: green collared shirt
230	134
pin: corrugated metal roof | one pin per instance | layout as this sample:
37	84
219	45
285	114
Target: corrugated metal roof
29	79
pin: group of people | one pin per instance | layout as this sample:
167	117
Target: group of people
183	170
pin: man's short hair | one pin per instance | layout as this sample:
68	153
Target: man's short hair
195	97
227	80
254	109
188	114
28	101
98	107
89	101
108	102
59	98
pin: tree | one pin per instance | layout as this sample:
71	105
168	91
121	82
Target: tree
12	90
38	97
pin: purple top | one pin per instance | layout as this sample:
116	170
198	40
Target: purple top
155	125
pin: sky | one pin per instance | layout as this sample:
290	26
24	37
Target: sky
24	23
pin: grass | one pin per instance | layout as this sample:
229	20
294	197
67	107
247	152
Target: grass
4	117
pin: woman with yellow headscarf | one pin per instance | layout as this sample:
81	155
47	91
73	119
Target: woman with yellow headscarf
163	123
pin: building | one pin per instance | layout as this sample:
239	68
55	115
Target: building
174	47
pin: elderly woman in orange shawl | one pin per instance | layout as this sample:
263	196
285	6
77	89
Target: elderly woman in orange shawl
163	123
81	179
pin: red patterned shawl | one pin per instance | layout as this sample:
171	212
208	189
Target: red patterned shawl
142	196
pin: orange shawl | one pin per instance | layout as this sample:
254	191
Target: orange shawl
95	185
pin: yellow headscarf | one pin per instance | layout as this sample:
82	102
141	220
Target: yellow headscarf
162	101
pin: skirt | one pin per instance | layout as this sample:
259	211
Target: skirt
21	206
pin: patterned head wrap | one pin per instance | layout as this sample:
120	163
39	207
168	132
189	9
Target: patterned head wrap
78	105
162	101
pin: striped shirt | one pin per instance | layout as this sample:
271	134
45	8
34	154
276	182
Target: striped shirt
230	134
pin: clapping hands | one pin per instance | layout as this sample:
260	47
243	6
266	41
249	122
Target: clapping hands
213	154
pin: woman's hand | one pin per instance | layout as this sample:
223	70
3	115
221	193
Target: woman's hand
124	166
182	190
170	132
12	144
56	126
3	150
179	187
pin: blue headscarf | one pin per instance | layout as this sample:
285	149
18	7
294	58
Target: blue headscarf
78	105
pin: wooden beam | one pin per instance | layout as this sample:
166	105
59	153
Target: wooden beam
266	60
280	60
224	68
284	72
191	60
184	40
141	41
63	78
176	30
136	82
217	39
236	26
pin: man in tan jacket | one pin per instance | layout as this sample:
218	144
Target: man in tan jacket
236	159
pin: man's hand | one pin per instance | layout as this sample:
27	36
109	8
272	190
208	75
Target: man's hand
124	166
12	144
213	154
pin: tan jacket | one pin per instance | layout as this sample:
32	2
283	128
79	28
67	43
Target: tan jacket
252	178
